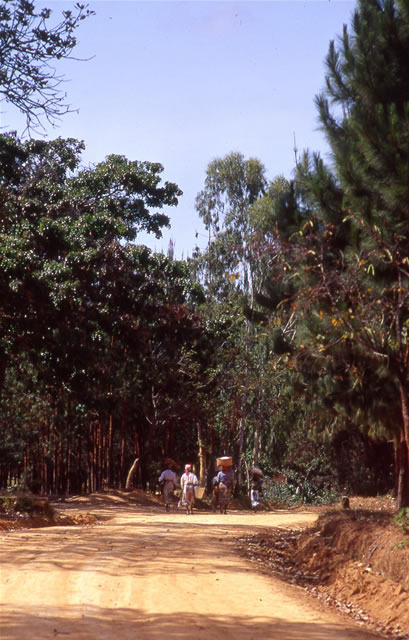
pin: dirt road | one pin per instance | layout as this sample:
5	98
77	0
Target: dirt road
148	575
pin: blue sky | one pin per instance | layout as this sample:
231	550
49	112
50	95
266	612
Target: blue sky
182	83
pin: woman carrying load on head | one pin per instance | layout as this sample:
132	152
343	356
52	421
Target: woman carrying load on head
224	485
256	486
226	476
187	483
167	481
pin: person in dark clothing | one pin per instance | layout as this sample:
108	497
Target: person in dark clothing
223	486
256	486
167	482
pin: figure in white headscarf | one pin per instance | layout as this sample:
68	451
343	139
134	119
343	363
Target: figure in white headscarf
187	483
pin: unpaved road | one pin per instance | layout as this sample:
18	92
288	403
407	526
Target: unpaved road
147	575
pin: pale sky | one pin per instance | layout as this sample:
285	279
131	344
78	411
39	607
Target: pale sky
182	83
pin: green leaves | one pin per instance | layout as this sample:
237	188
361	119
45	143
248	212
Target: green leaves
60	233
118	194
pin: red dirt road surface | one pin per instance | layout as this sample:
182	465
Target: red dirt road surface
144	574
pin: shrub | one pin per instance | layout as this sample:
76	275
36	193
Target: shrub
401	519
297	490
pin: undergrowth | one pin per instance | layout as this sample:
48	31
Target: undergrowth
24	504
401	519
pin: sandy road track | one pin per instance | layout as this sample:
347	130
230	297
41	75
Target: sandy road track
147	575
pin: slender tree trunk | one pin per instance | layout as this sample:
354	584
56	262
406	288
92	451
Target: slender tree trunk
37	474
247	475
44	488
26	458
403	494
61	478
151	441
104	443
90	459
402	474
98	455
395	466
241	446
81	487
47	447
155	419
131	473
124	419
55	466
256	447
68	468
202	454
110	453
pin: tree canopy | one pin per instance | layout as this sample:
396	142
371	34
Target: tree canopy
284	343
31	43
345	258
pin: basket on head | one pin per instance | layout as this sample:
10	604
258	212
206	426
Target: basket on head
171	464
225	461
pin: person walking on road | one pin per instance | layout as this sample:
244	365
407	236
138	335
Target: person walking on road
187	482
256	487
167	481
223	486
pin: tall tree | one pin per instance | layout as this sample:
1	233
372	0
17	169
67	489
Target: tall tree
347	260
367	77
237	205
61	233
31	42
232	185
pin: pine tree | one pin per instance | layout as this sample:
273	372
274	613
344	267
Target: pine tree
343	268
362	273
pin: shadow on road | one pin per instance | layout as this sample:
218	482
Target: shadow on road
133	623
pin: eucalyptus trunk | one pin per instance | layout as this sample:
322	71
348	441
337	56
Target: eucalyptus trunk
202	455
124	422
241	448
256	446
110	453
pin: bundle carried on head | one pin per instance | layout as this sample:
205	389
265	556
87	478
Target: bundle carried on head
225	461
170	464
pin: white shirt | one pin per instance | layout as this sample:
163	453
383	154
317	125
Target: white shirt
188	478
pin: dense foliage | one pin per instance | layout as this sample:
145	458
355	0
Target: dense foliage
284	343
344	239
97	328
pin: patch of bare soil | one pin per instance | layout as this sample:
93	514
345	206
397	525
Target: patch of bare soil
354	559
35	521
44	514
74	510
145	573
350	560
